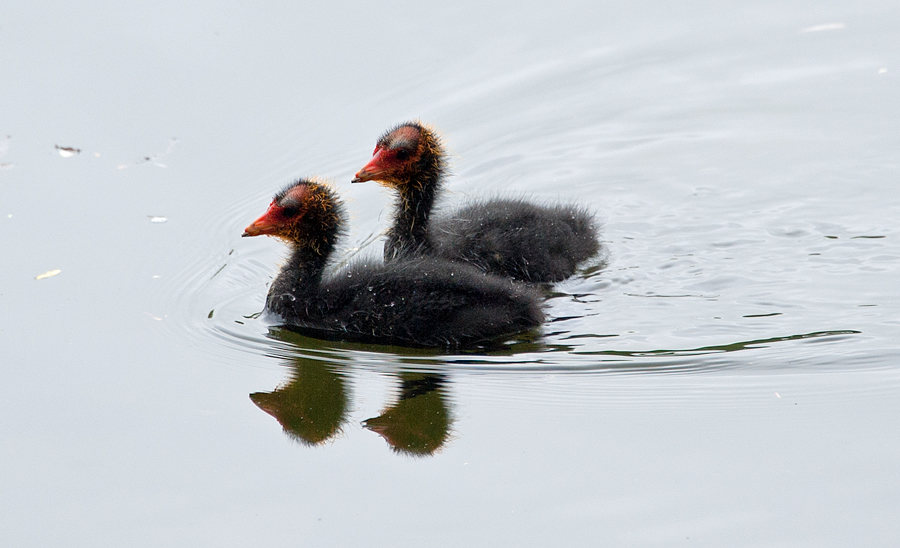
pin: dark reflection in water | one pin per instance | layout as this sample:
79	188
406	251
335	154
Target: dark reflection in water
312	405
731	347
419	423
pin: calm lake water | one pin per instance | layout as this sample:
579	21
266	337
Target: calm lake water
726	373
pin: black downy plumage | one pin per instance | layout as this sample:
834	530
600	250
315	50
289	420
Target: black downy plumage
507	237
419	301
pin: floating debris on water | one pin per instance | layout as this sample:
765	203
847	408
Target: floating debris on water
153	159
157	219
67	152
220	270
6	166
48	274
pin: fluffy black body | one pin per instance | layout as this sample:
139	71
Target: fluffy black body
516	238
419	301
507	237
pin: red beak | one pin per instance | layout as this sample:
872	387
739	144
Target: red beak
267	224
373	171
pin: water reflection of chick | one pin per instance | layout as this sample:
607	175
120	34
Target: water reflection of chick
419	423
311	406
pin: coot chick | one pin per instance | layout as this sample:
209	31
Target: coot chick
424	301
506	237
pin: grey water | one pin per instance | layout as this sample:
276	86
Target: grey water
725	373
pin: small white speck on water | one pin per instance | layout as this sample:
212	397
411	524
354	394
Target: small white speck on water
157	219
48	274
824	27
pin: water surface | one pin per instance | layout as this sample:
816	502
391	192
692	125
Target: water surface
726	373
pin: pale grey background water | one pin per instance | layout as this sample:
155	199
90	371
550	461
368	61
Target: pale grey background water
728	378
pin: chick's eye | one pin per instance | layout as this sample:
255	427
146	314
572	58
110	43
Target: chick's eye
403	154
290	209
